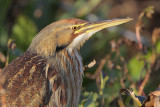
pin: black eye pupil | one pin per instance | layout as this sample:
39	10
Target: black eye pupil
74	28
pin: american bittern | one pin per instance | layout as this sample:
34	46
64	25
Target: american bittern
50	72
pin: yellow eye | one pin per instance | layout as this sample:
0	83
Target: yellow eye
75	28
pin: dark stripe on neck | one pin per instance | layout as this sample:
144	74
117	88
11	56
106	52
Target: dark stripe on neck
59	48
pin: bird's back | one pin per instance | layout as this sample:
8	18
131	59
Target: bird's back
32	80
24	80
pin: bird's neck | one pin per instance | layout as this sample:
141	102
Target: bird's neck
68	64
69	57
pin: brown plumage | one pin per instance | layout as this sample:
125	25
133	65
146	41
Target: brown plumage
50	72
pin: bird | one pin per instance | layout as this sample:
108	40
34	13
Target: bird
50	72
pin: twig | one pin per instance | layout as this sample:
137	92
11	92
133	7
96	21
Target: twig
91	64
138	35
2	58
96	75
138	28
2	91
144	81
100	67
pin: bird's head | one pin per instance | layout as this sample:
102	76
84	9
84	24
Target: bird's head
68	34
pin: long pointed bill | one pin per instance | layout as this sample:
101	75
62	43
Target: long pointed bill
99	25
86	30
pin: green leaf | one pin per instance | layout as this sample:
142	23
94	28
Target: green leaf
90	99
23	32
83	101
138	99
135	67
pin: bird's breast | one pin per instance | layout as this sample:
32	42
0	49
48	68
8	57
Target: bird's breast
69	69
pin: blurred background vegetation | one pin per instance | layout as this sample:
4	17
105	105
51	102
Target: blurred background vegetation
123	60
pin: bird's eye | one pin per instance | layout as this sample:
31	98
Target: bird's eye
75	28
